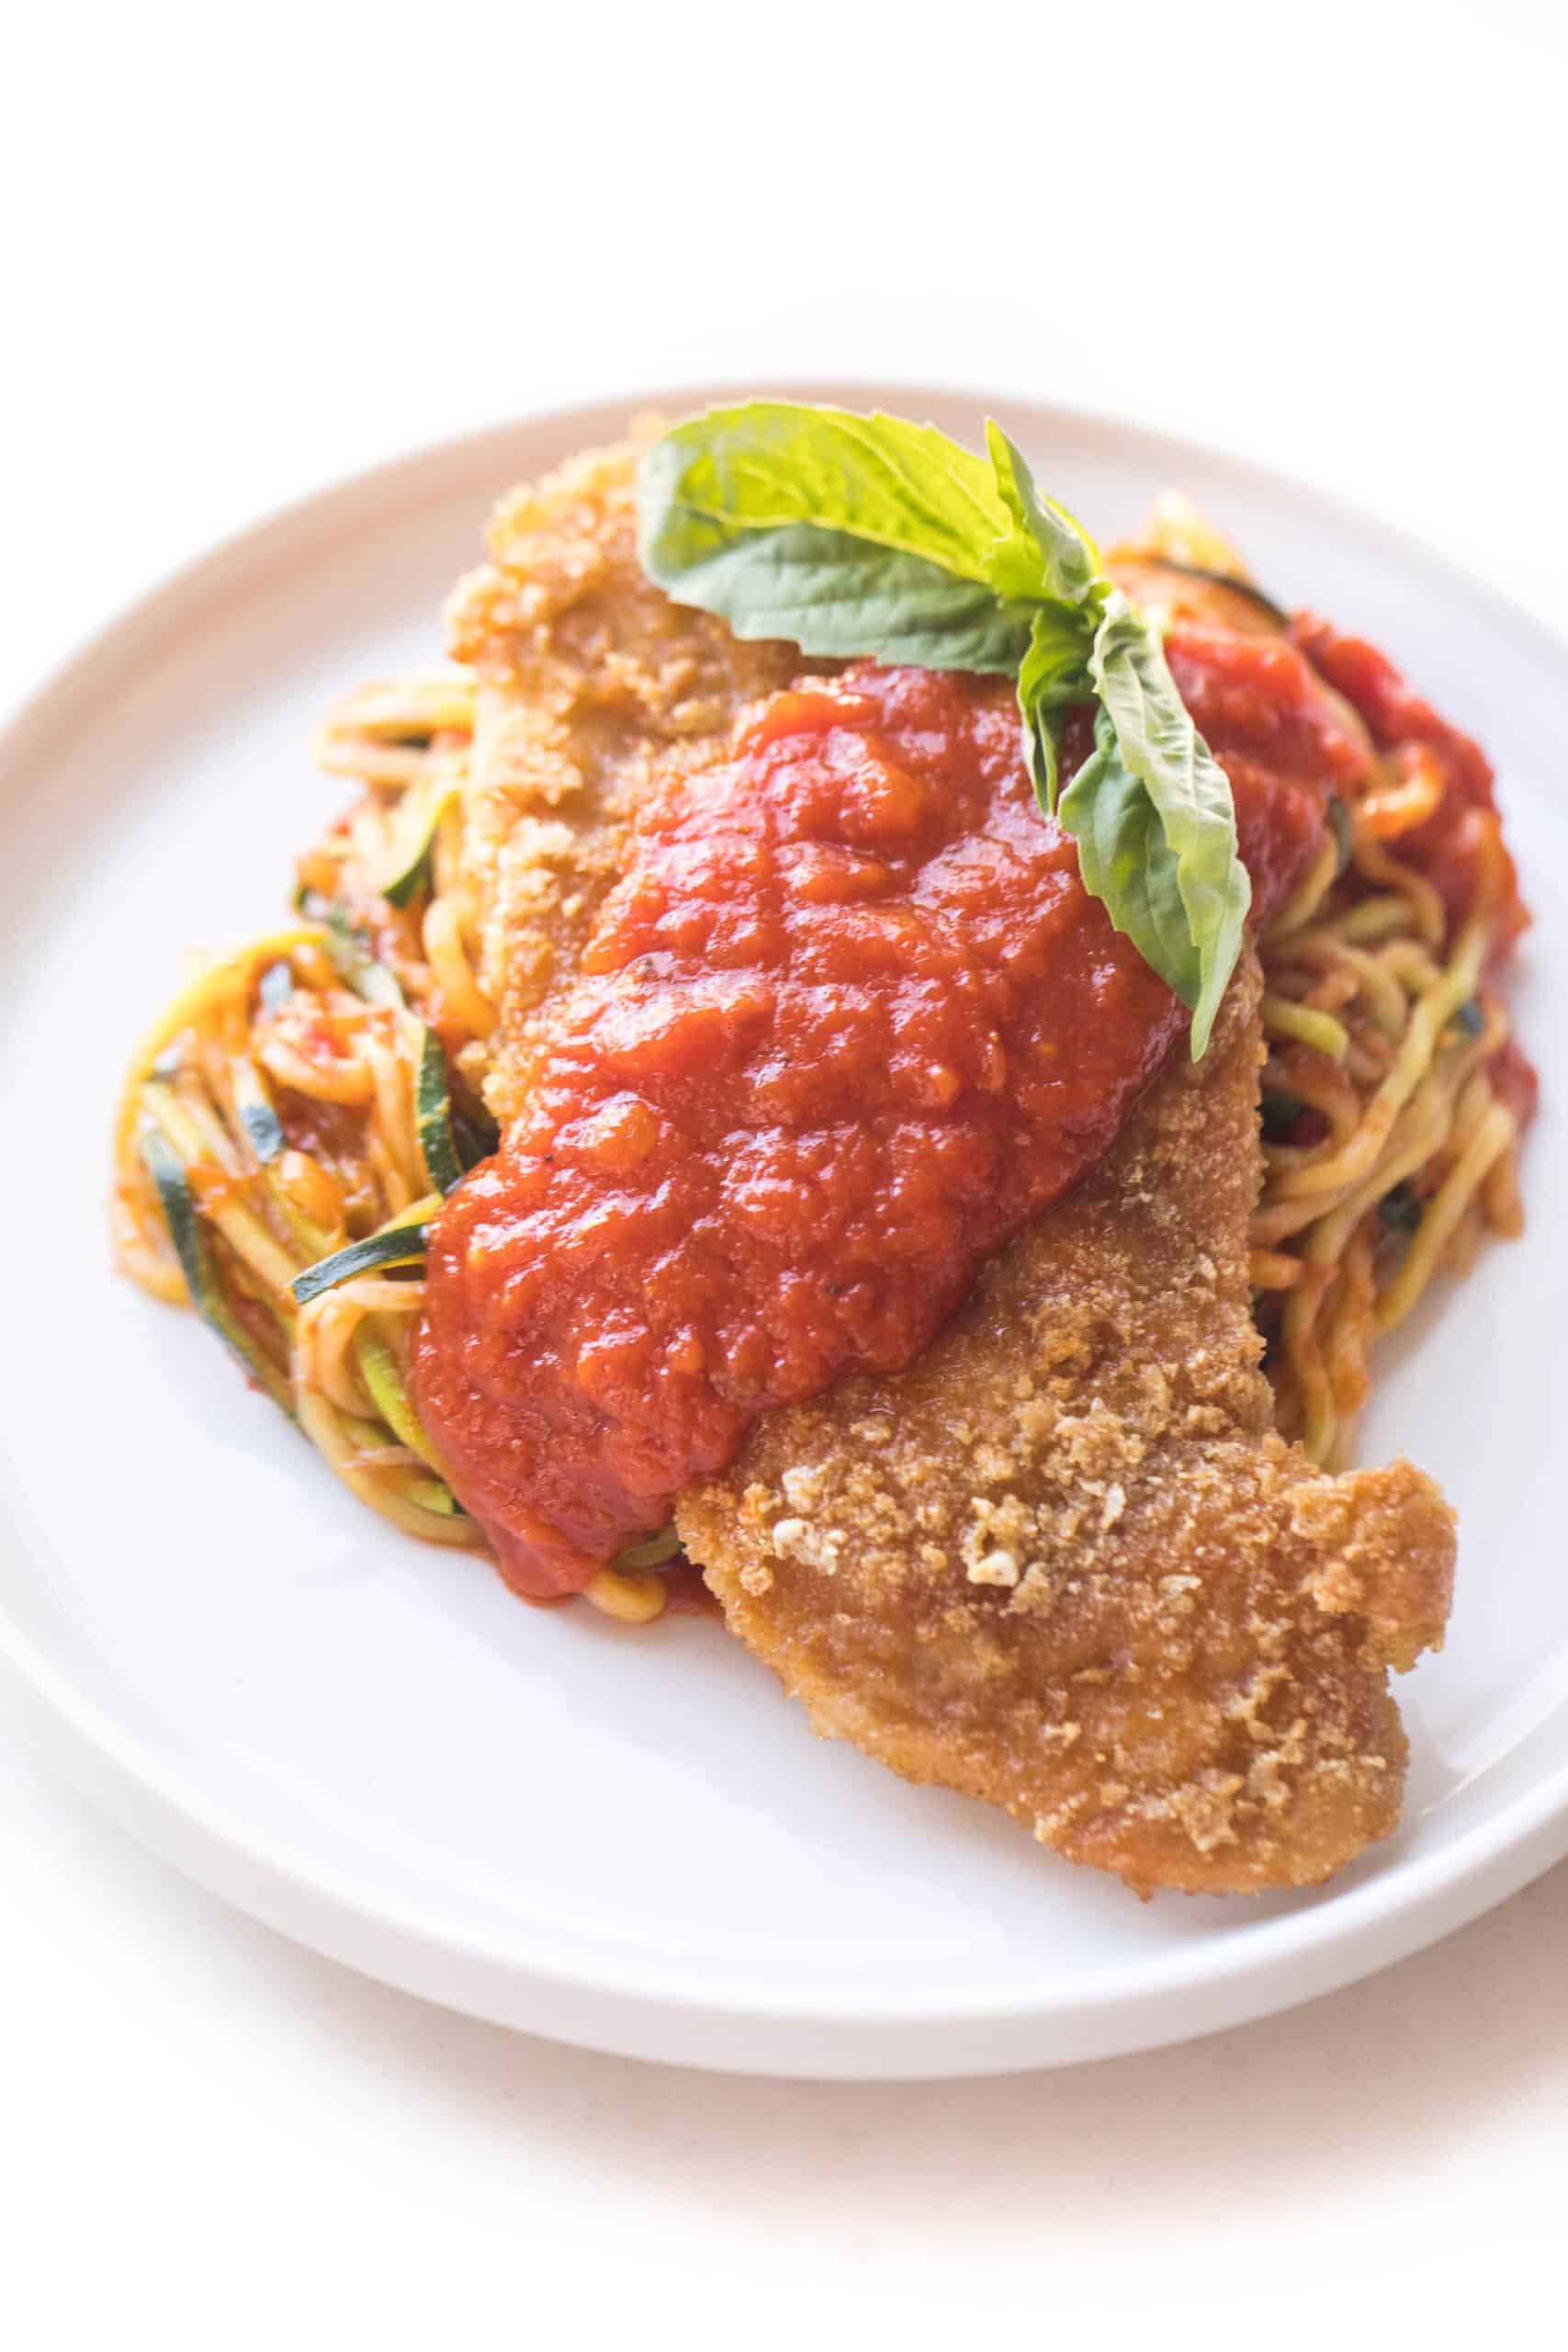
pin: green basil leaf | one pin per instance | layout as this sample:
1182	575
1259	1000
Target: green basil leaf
1152	813
1042	753
1126	863
833	595
1047	554
850	535
1055	672
861	534
769	463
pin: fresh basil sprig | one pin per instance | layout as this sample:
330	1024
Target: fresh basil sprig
866	534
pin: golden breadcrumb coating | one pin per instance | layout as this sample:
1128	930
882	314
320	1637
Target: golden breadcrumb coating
1064	1564
589	677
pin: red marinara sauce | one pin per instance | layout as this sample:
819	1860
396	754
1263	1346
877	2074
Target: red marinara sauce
1453	845
1460	847
847	1022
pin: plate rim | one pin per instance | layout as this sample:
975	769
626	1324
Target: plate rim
654	2009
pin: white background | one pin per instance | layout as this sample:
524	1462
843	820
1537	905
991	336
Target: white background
245	253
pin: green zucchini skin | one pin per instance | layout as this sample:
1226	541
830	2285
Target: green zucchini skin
654	1550
400	1245
358	968
433	1115
276	987
384	1386
418	815
176	1199
435	1494
265	1136
264	1128
432	1096
477	1136
1400	1210
453	1132
183	1219
348	946
453	1136
1276	613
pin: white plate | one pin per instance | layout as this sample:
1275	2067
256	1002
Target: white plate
624	1837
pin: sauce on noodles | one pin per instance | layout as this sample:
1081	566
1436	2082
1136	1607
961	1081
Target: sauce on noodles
1439	801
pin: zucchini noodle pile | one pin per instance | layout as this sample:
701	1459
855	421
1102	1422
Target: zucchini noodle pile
298	1113
1388	1151
294	1118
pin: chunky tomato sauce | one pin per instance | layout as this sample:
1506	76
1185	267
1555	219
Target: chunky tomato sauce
847	1022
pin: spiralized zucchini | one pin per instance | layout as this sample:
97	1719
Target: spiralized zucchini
292	1120
271	1156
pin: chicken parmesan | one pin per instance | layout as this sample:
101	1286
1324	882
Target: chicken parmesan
858	1064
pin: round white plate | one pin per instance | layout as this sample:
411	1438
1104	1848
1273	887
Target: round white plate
628	1837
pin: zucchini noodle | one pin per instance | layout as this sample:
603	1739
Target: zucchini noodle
316	1094
1389	1152
301	1106
1382	1033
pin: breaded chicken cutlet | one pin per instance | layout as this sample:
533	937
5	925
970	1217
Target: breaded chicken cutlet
1064	1562
589	676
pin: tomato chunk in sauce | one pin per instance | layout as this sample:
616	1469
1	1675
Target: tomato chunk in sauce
849	1021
